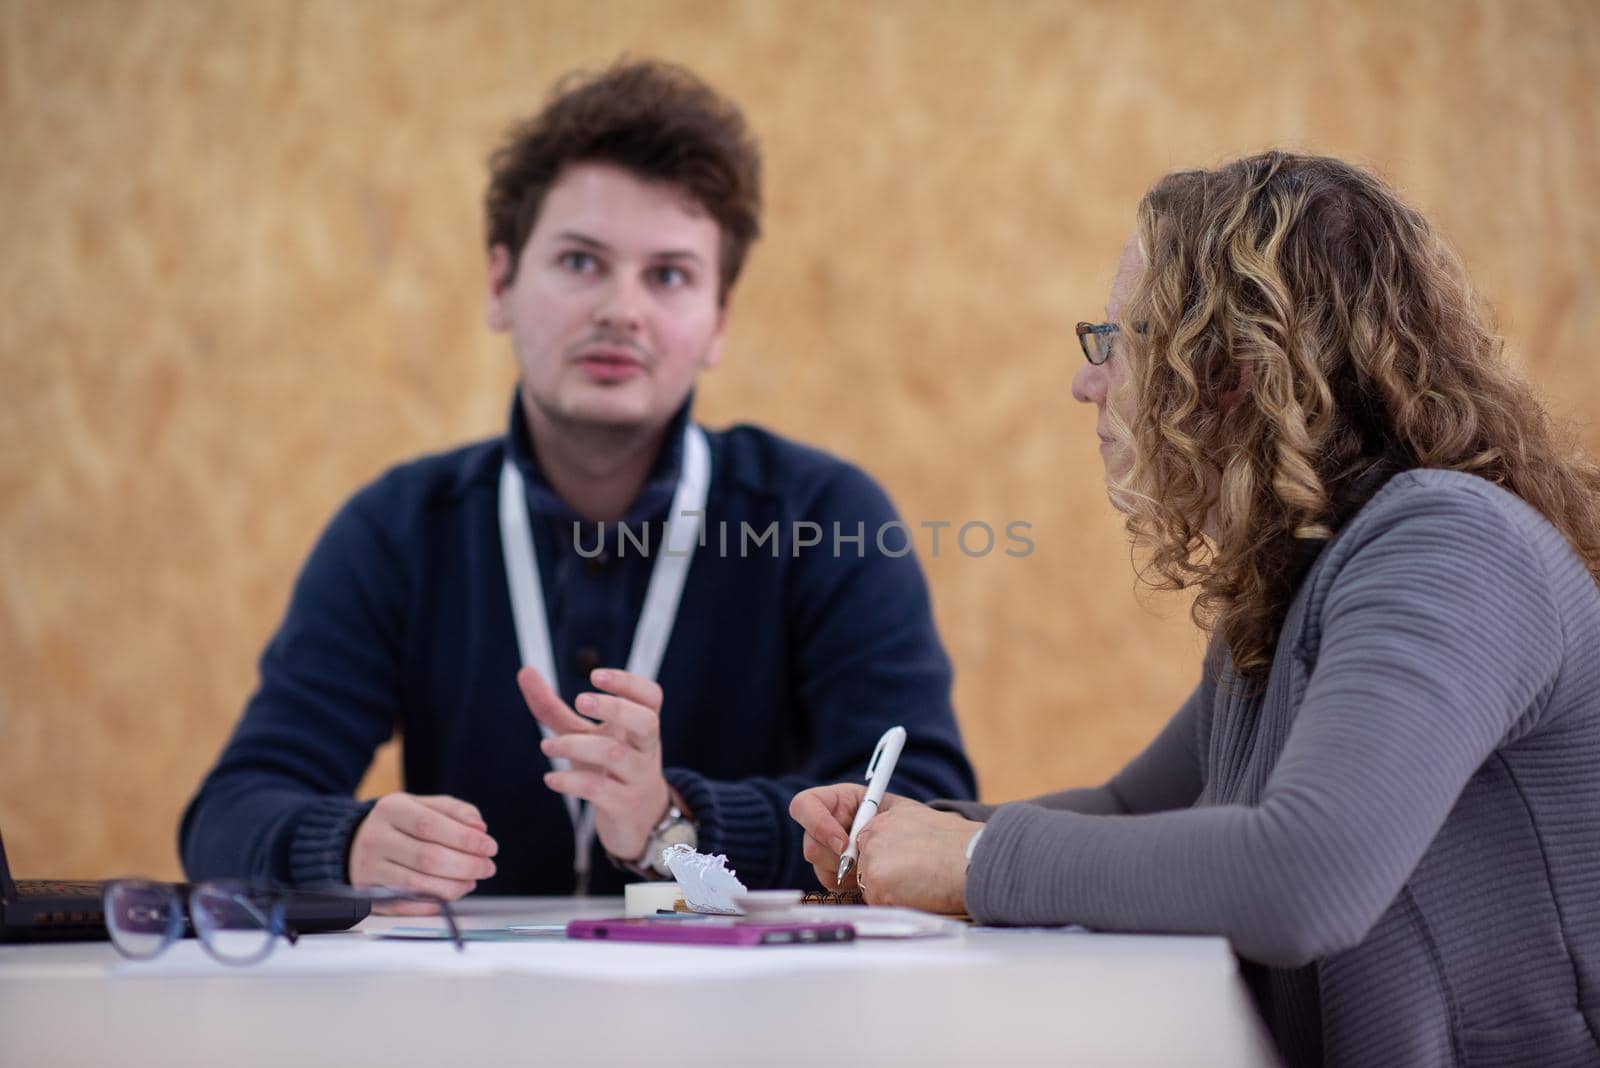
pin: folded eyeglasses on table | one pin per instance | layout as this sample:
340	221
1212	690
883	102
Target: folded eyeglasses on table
237	921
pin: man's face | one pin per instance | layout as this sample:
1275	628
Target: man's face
1102	385
614	309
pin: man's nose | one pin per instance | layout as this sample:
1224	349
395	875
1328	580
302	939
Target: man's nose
620	305
1089	384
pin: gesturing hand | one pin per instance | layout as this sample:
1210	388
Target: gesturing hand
432	845
616	763
910	854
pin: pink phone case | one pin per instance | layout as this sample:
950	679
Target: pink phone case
710	932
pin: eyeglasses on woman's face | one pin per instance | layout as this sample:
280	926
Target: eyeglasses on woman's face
1096	340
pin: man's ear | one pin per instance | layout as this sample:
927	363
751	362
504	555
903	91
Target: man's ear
714	350
495	313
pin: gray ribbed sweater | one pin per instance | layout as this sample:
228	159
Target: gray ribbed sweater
1401	833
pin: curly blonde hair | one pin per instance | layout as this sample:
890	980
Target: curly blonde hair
1299	333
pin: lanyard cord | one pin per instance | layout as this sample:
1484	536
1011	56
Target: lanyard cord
685	519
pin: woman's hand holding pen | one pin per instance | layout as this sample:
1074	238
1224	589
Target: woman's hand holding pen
825	813
910	854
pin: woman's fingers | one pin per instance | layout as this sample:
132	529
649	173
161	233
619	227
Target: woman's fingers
825	812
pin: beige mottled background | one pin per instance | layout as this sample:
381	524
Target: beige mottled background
242	274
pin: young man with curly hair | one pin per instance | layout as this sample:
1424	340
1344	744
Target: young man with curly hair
610	629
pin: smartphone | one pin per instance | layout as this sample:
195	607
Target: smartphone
711	932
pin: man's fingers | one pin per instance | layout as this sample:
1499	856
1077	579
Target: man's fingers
400	877
455	808
406	838
548	707
593	786
596	752
417	819
405	908
621	718
430	858
631	687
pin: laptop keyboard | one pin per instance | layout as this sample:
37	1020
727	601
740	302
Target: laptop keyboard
58	888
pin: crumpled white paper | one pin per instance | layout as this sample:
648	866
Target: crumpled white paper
705	881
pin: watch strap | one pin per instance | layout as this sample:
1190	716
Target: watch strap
644	863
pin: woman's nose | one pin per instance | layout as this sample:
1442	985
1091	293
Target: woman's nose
1089	384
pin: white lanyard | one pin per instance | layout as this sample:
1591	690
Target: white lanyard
684	521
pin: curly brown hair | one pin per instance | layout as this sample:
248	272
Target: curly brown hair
1297	334
655	120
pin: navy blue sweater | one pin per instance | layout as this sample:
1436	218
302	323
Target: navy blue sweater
785	665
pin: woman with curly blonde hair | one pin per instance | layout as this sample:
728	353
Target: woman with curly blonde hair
1385	790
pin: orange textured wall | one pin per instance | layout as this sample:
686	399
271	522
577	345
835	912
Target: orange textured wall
242	275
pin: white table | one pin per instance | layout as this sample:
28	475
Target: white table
984	997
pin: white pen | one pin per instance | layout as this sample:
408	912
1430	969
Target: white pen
879	768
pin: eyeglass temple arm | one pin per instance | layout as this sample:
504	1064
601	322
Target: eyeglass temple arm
450	921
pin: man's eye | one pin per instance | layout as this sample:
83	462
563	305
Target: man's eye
578	262
669	277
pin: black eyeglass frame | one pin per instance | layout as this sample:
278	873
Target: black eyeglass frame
177	901
1099	350
375	894
266	904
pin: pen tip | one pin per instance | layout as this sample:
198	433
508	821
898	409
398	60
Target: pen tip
844	869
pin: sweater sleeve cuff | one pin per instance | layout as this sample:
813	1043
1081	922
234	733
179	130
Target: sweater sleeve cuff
734	819
1003	884
319	851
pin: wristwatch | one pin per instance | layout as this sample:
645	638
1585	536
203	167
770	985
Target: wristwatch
673	829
